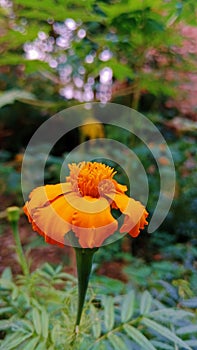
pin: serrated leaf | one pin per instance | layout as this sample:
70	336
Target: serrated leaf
116	342
145	303
128	306
138	337
108	312
165	332
44	323
36	320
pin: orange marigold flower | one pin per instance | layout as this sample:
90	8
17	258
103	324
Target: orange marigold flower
83	205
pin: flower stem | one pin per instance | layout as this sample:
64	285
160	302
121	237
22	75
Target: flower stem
13	214
84	259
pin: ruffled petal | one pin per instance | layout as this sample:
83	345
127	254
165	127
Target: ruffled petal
92	228
135	231
40	196
119	188
52	221
135	214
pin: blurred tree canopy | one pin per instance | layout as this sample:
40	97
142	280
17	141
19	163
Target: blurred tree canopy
122	51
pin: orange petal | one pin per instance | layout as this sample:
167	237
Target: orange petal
40	196
52	221
93	228
119	188
135	214
135	231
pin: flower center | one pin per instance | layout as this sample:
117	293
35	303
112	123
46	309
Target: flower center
91	178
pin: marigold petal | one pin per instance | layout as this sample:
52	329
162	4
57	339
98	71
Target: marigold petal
40	196
135	214
93	228
119	188
52	221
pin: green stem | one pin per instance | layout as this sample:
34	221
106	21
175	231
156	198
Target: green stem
19	250
84	259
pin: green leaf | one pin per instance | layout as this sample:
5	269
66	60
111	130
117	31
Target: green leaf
165	332
96	322
45	323
169	314
55	333
49	269
4	324
36	320
16	340
101	345
41	346
116	342
162	345
108	312
5	310
14	293
4	283
128	307
138	337
145	304
187	329
31	344
7	274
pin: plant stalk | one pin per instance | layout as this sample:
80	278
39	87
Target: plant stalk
19	249
84	258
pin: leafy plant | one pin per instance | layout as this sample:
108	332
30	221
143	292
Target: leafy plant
38	312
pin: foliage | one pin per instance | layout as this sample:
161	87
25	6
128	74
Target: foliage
79	48
37	312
